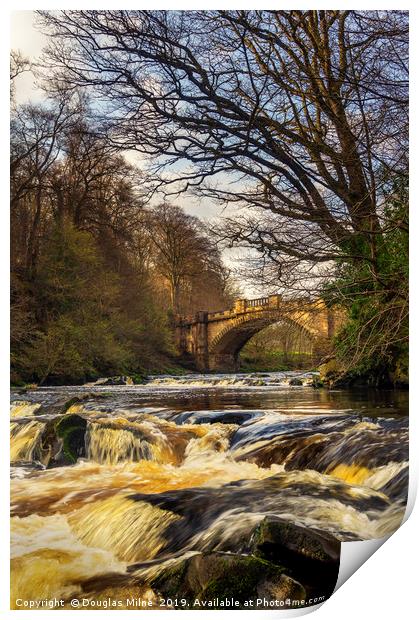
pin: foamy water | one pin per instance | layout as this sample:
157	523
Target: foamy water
155	472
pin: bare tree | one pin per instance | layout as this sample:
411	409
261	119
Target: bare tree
297	118
18	65
296	114
186	258
36	142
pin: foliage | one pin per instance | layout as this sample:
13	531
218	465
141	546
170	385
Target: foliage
76	299
90	289
374	338
281	346
274	361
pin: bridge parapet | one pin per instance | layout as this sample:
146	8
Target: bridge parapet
244	305
220	315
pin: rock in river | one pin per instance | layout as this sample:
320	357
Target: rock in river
220	576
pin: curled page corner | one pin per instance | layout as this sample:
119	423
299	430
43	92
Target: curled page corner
354	554
411	497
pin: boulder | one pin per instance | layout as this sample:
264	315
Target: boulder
295	381
313	381
316	382
72	429
120	380
308	555
219	576
278	540
330	371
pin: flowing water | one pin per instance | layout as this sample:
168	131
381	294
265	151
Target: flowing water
123	480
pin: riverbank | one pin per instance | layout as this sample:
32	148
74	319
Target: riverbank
333	374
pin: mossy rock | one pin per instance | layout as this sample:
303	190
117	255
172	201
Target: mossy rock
139	379
205	577
315	382
71	429
330	371
309	556
238	577
283	541
295	381
172	580
400	374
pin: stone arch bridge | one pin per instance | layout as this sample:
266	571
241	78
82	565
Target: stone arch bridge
215	339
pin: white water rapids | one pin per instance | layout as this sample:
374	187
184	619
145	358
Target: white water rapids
135	474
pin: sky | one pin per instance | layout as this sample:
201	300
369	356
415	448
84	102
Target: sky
30	42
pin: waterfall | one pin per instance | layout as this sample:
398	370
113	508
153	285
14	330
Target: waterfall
150	439
133	531
23	409
48	560
110	446
24	440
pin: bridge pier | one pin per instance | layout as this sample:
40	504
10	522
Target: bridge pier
223	362
200	341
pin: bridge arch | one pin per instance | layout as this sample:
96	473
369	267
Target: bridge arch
214	339
224	349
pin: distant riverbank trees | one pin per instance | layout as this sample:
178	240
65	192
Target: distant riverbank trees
300	117
91	270
187	261
281	346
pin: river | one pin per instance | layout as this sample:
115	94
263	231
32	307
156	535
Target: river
157	493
